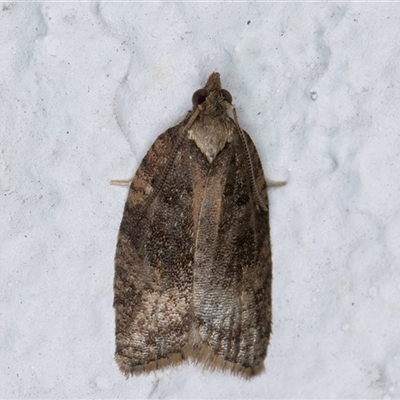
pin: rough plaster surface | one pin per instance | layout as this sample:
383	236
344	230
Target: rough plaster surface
85	88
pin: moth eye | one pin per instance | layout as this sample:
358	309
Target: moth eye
199	96
227	96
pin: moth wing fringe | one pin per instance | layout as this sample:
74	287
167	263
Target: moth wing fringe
204	354
129	370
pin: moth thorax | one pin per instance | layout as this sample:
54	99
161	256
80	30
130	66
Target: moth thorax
210	135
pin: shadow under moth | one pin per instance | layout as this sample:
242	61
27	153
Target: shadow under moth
193	266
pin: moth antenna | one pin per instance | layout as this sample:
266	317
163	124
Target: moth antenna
193	117
249	161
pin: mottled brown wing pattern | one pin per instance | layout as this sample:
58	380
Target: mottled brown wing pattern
193	263
232	269
153	263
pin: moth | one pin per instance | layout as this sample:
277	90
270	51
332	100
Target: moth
193	267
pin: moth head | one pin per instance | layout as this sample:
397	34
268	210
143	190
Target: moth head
212	98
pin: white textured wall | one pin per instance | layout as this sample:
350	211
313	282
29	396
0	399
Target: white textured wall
85	88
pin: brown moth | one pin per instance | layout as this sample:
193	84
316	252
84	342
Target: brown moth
193	265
